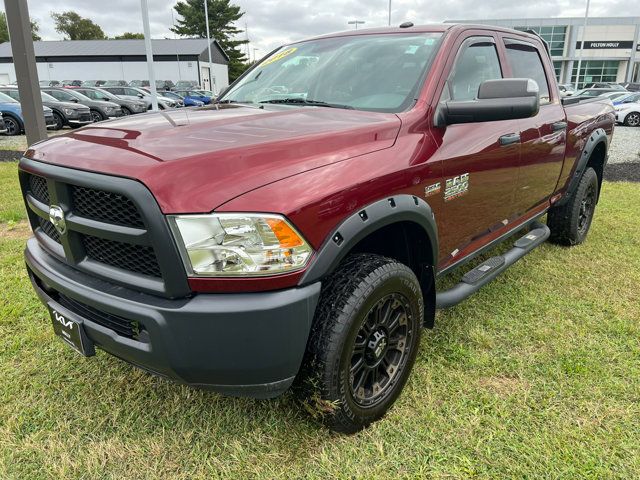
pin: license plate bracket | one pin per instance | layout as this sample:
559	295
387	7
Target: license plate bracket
71	330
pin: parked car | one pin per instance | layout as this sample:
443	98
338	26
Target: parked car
167	94
139	83
632	87
64	113
199	95
613	96
299	235
100	110
164	85
115	83
566	89
71	83
128	106
609	85
49	83
12	115
187	102
134	93
92	83
186	85
594	92
628	114
631	97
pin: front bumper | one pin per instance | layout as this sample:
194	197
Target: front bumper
246	344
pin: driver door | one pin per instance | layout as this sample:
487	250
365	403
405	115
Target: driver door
480	160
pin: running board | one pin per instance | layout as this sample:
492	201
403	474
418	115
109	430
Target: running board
488	270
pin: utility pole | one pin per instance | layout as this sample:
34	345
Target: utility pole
584	28
254	53
389	12
148	48
24	60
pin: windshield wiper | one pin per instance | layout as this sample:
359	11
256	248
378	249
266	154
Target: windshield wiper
304	101
248	104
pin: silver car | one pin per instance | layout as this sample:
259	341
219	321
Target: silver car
134	93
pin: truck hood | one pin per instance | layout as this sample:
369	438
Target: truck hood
195	160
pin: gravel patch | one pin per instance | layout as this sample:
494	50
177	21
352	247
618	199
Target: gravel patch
10	155
625	146
622	172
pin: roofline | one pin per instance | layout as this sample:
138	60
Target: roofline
428	28
549	20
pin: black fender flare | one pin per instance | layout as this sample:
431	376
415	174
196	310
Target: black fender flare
597	136
393	209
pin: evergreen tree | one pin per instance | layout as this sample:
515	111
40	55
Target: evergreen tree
222	15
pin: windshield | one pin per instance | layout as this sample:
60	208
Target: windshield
103	94
6	98
47	98
367	72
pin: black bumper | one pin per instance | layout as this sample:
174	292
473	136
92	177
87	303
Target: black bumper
246	344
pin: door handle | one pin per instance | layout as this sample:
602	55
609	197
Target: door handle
558	126
509	138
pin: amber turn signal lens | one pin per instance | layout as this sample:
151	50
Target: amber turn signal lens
284	233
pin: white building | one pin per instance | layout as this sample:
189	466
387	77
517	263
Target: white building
611	50
181	59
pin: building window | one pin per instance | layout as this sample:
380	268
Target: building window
554	35
557	68
592	71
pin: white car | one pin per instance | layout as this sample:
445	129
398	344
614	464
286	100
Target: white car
628	114
134	93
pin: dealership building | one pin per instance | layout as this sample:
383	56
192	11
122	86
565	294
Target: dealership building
179	59
611	46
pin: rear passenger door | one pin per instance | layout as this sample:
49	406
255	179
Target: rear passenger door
543	136
479	160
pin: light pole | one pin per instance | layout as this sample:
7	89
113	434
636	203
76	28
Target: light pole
389	12
254	53
356	23
584	28
206	21
147	43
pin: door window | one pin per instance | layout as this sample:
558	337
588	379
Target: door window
477	61
60	95
525	62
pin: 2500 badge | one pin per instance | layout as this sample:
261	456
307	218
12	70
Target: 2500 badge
456	187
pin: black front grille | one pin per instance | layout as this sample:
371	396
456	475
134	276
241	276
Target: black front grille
136	258
105	207
48	228
120	325
39	190
84	117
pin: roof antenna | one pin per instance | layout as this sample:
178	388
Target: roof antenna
406	25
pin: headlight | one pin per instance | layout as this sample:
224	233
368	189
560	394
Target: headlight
69	111
239	244
110	109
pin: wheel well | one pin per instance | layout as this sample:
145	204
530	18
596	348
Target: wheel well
596	161
408	243
13	117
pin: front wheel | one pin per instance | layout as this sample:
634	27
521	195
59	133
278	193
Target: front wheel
96	116
363	342
632	120
125	111
12	125
59	121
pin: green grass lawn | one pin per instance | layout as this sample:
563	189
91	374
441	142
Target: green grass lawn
537	376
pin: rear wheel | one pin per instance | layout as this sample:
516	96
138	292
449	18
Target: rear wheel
364	341
632	120
570	222
59	121
12	125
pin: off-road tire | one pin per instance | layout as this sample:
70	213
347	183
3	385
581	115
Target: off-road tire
353	299
570	223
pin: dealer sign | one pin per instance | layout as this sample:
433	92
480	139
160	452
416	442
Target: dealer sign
606	45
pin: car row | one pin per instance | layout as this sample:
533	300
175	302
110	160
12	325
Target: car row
160	84
12	115
625	99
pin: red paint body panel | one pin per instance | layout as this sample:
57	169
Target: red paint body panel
317	166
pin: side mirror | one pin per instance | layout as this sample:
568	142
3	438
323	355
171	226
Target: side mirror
74	100
140	95
501	99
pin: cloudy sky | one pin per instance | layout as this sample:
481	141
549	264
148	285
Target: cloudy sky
274	22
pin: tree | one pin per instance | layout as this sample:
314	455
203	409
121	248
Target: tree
129	36
74	27
222	15
4	29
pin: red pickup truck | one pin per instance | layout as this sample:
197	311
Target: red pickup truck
295	228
